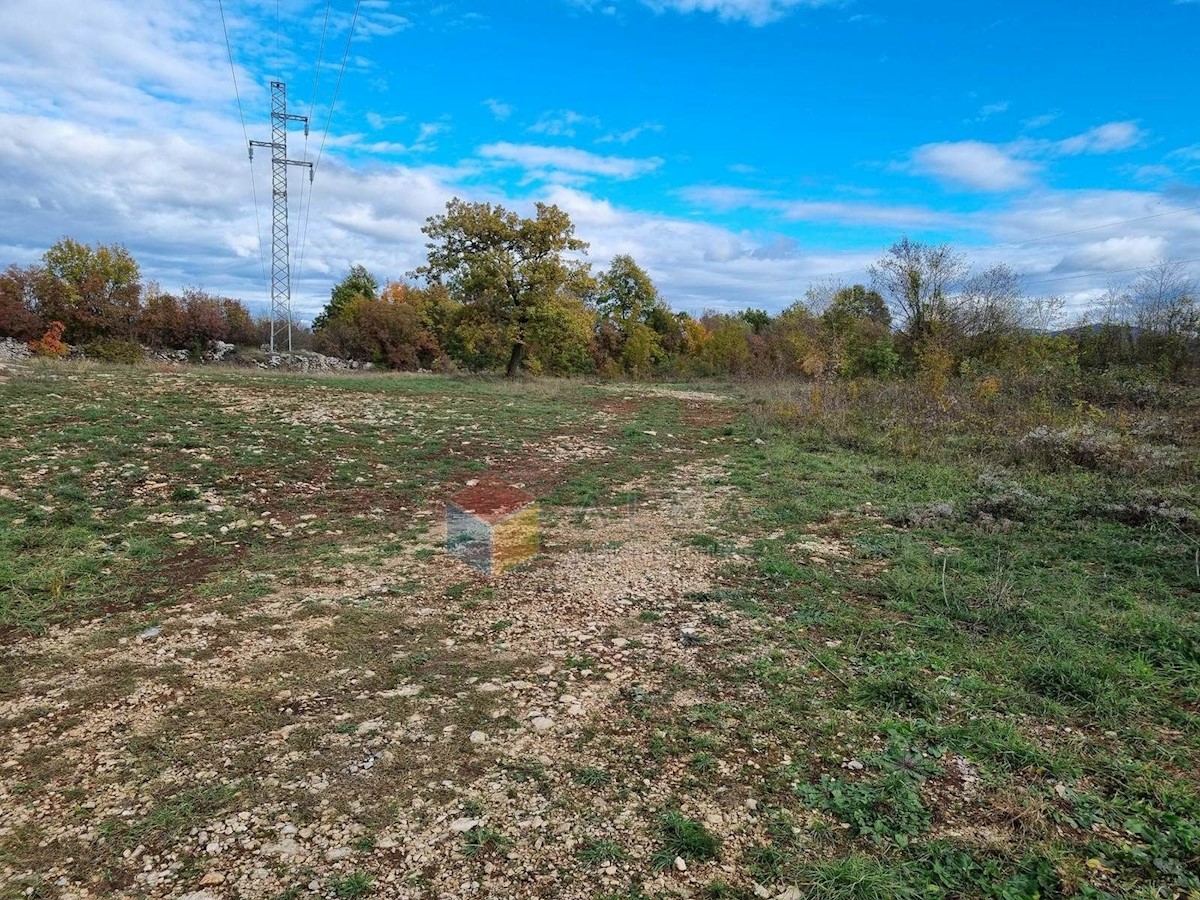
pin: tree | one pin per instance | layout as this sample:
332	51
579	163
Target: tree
18	296
858	302
1163	300
630	308
509	269
625	292
757	319
857	331
919	281
358	283
93	291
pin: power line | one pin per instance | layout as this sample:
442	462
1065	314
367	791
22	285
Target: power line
338	85
304	213
1110	272
262	256
337	88
1046	237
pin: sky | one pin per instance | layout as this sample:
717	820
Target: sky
740	150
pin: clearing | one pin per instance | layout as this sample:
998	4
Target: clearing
755	658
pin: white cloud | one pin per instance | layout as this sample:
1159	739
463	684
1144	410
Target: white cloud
569	159
630	134
726	198
974	165
1041	121
1107	138
430	130
1190	156
988	110
753	12
563	123
376	121
500	110
1114	254
376	20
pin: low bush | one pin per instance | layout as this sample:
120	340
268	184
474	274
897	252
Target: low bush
114	350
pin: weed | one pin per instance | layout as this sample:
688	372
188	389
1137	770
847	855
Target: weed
481	839
601	851
592	777
684	837
357	884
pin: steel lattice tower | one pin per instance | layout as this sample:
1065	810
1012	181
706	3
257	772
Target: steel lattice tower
281	272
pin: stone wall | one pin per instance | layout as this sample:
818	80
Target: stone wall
12	349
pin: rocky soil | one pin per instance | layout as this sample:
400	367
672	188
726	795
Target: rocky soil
411	725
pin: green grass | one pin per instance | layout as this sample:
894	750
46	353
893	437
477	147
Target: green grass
686	838
602	851
357	884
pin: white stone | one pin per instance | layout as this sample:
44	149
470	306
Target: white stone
543	723
333	854
478	737
680	865
462	826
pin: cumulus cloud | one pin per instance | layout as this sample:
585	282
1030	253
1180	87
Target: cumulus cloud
974	165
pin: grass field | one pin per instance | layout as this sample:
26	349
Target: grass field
781	641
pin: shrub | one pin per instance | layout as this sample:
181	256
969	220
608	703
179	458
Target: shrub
51	343
113	350
1091	447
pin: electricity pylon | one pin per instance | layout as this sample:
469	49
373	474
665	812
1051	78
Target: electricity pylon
281	273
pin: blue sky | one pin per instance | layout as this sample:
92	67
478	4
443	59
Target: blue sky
740	149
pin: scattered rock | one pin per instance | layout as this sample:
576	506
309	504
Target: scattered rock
462	826
478	737
542	723
333	854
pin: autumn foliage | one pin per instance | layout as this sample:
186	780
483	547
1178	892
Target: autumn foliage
51	343
94	296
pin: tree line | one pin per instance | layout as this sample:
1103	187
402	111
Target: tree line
506	293
500	292
94	297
